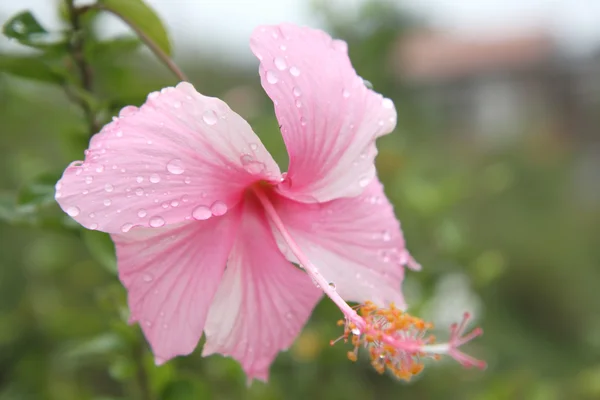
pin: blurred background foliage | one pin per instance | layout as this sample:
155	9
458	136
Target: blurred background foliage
506	224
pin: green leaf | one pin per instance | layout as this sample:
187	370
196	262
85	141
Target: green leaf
24	28
39	192
101	248
110	51
142	19
99	346
29	68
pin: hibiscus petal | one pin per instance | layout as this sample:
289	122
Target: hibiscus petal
171	275
356	243
180	156
329	118
262	303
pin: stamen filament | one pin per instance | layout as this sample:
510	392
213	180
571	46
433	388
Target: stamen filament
396	340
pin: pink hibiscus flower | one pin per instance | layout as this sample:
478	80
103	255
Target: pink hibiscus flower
206	227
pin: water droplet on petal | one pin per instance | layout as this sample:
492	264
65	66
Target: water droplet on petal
332	285
298	103
108	187
174	203
363	182
187	180
157	221
139	191
93	226
119	134
294	71
107	202
302	121
142	213
387	103
218	208
253	146
296	91
175	167
201	213
386	236
345	93
154	178
126	227
280	63
272	77
139	179
100	168
209	117
73	211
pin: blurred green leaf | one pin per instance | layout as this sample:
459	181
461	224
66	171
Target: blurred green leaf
122	369
29	67
38	192
24	28
101	248
141	18
185	390
108	51
101	345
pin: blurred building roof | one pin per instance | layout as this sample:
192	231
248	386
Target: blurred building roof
433	56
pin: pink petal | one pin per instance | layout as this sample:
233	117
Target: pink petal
180	156
262	303
328	117
356	243
171	275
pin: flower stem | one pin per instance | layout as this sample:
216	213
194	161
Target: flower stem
161	55
85	72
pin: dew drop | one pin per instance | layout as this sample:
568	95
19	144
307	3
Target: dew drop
386	236
100	168
89	179
345	93
272	77
73	211
157	221
108	187
139	192
296	91
387	103
294	71
218	208
93	226
332	285
209	117
142	213
91	215
126	227
253	146
175	166
302	121
187	180
154	178
363	182
280	63
201	213
174	203
298	103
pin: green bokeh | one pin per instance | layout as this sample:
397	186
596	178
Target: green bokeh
510	222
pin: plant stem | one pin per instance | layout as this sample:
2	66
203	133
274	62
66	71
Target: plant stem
162	56
85	73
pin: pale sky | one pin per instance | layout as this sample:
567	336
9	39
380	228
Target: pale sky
224	26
